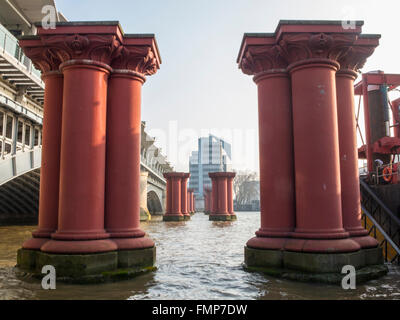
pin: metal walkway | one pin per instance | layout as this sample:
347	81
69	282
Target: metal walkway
381	223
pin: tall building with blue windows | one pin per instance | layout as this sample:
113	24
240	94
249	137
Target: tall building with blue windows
213	155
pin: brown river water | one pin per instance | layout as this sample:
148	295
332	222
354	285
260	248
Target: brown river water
197	259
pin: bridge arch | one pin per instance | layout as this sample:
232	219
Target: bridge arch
154	203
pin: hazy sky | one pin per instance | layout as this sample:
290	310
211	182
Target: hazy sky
199	88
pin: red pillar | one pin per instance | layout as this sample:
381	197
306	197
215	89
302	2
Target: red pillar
193	202
308	51
81	208
316	149
348	153
184	197
168	195
122	213
190	201
219	210
174	191
207	200
214	196
230	178
86	57
277	194
51	140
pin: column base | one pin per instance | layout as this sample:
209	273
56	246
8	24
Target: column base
366	242
88	268
315	267
219	217
78	246
322	245
35	243
267	243
186	217
233	217
133	243
173	217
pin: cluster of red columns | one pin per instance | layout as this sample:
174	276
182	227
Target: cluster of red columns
90	174
178	205
309	180
222	196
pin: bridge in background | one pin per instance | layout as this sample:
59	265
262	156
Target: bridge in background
20	161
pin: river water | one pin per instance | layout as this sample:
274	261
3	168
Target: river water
197	259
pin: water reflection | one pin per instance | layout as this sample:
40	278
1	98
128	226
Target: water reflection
197	259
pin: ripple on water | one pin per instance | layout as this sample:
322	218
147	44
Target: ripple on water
197	259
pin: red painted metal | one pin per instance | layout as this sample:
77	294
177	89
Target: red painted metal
385	145
396	117
230	178
191	200
174	192
349	175
310	51
122	215
51	140
184	193
277	197
220	193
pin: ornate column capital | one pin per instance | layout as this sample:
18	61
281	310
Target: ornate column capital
294	47
355	58
258	59
43	57
84	41
98	48
139	53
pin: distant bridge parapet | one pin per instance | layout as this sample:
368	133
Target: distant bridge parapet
20	162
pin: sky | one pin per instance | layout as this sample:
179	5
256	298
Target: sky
199	88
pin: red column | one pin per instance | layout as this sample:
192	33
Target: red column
350	185
348	153
193	202
174	191
184	198
277	194
220	196
316	150
230	178
51	140
85	51
214	196
168	195
190	201
207	200
122	215
82	167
